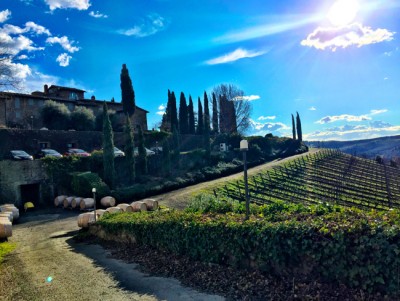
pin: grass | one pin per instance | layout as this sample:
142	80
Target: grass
6	248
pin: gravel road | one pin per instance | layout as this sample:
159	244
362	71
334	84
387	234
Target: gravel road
49	265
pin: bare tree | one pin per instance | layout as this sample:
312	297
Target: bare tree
8	80
242	106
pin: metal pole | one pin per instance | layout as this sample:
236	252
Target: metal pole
246	187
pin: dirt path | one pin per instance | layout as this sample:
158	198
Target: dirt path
178	198
49	265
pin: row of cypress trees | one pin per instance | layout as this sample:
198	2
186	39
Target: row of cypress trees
296	128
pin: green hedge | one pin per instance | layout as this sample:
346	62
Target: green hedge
82	184
359	249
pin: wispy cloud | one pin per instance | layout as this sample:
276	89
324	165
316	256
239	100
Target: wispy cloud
4	15
266	118
263	128
65	43
247	98
350	118
151	25
36	28
97	15
342	37
312	108
267	29
234	56
62	4
63	59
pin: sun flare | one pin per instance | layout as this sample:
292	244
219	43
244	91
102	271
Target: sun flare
343	12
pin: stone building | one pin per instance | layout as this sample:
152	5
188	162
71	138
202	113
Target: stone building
19	110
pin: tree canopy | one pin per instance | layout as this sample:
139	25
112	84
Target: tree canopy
128	94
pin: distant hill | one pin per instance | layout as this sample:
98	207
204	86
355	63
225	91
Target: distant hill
388	147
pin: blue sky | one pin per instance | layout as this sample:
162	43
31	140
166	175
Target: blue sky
335	62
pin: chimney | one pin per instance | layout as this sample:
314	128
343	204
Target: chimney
93	98
46	89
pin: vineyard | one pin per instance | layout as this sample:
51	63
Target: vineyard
328	176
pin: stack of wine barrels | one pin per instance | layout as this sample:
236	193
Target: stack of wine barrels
8	214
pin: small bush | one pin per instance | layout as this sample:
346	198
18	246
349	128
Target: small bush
82	184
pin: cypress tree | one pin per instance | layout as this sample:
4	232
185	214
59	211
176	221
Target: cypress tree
166	118
298	126
191	116
183	115
215	114
176	146
200	120
166	158
129	151
128	95
206	113
142	156
108	149
293	128
173	112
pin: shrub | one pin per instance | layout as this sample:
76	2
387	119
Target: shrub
55	115
82	119
82	184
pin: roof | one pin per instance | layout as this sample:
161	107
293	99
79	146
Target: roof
65	88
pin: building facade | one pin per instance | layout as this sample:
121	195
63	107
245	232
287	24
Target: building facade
19	110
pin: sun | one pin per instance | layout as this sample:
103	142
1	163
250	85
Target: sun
343	12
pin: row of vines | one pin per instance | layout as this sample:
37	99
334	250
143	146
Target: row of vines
328	176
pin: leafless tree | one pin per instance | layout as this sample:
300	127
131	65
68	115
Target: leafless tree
8	80
242	107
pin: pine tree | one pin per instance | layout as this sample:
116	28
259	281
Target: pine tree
206	113
183	115
293	128
215	114
298	126
108	149
166	158
191	116
200	119
128	94
142	156
129	151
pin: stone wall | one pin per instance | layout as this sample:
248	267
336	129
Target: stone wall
18	178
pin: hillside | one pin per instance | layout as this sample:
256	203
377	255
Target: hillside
369	148
328	176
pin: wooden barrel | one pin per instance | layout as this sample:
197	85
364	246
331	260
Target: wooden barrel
100	213
125	207
86	203
68	201
7	215
151	204
114	210
138	206
76	202
85	219
107	201
58	201
5	229
10	208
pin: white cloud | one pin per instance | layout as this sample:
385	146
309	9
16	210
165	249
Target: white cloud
312	108
22	57
161	110
38	29
150	26
341	37
247	98
353	132
97	14
261	129
61	4
19	71
345	117
4	15
375	112
64	42
234	56
14	45
266	118
63	59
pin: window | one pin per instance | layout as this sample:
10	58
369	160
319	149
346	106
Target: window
17	114
73	95
30	101
17	103
43	145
